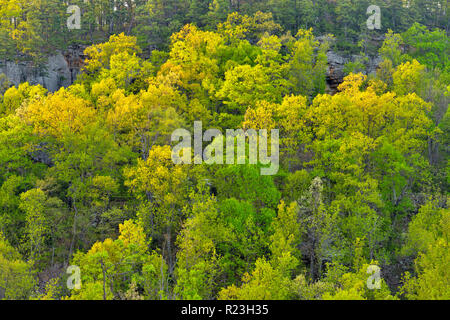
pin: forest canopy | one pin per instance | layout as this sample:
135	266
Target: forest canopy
87	178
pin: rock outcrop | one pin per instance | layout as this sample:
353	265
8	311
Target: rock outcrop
60	70
336	64
335	71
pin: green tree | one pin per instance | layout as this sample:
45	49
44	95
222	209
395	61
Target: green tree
17	276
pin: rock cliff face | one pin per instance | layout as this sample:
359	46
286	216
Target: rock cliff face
336	63
60	70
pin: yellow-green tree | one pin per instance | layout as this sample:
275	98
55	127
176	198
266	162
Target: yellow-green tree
109	267
17	276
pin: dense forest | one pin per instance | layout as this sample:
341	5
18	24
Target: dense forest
92	205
